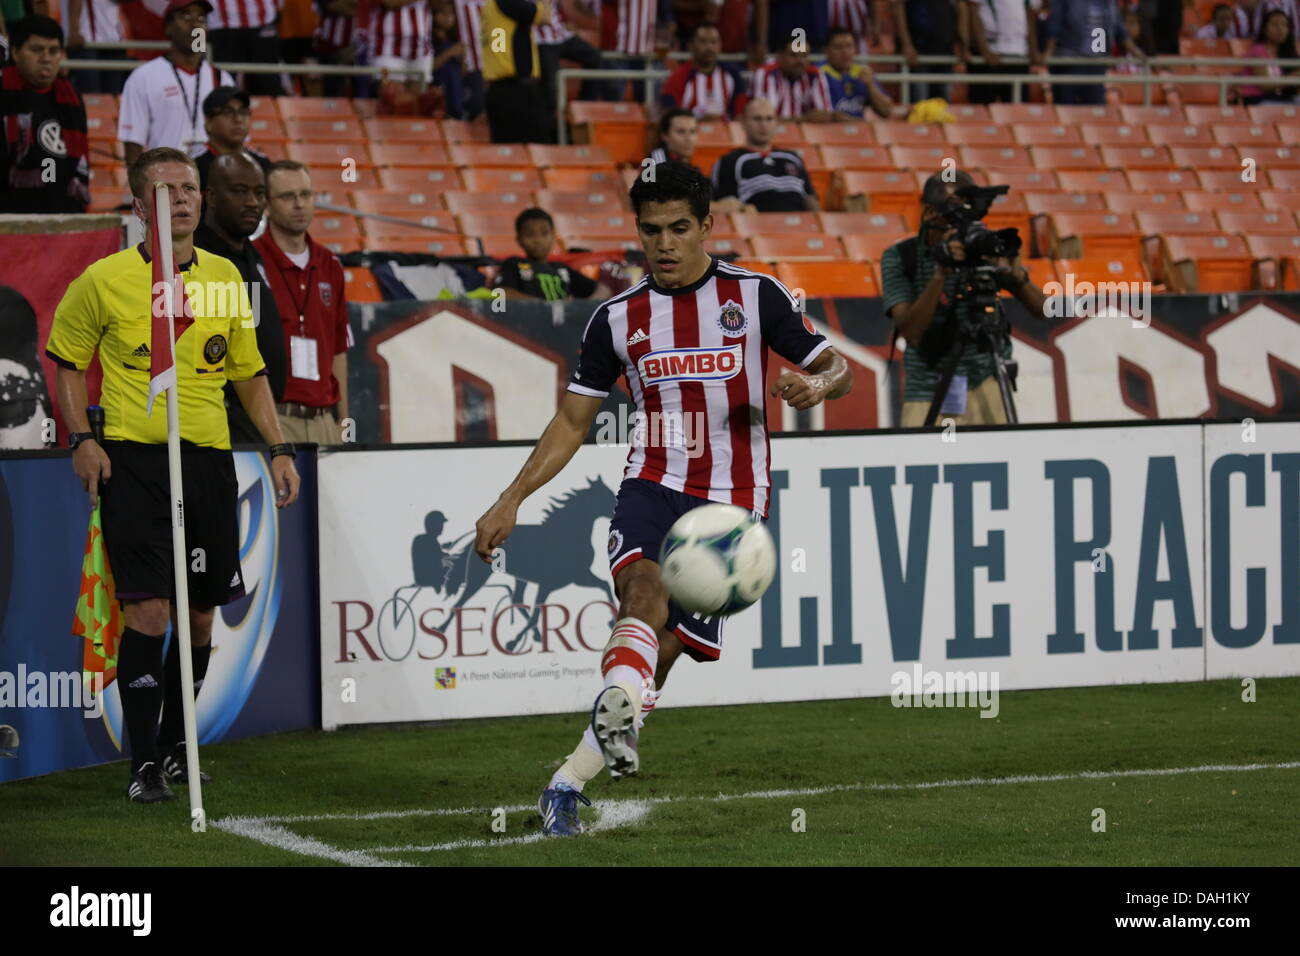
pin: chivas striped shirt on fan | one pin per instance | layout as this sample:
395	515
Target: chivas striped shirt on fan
698	353
468	16
627	26
237	14
792	98
704	94
406	32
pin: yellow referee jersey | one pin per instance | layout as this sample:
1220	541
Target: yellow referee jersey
107	308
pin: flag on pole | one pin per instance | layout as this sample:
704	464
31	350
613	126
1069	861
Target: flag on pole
98	618
169	305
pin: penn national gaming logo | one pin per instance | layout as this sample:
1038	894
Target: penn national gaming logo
241	632
445	678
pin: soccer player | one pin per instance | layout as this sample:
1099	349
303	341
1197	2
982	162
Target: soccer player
107	309
691	338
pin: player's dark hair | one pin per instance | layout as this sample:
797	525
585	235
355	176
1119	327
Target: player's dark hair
528	215
837	31
665	182
1290	29
34	25
138	174
666	121
935	191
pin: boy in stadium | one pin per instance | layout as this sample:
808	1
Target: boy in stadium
533	275
690	304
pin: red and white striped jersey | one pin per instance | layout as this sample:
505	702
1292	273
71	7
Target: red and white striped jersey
627	26
236	14
406	32
334	32
468	16
792	98
99	20
852	14
557	31
704	94
695	362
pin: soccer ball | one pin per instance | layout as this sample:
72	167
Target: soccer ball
717	559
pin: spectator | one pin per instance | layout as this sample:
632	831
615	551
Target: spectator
468	28
1162	22
400	40
759	176
852	85
854	16
999	28
1071	27
709	89
334	42
246	31
926	27
1264	7
448	59
515	108
1222	25
161	99
226	117
307	281
42	126
687	15
533	275
627	28
296	29
556	42
1276	40
796	88
678	130
775	23
94	21
236	200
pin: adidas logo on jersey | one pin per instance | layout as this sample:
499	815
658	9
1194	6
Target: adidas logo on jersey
142	351
637	336
145	681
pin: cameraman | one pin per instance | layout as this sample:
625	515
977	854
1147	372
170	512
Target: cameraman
917	293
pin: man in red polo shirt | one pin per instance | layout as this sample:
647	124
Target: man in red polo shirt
307	280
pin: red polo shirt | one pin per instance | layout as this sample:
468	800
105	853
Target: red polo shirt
311	304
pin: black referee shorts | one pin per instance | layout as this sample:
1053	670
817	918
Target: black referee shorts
136	517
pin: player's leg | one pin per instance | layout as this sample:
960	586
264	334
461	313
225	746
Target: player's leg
171	730
140	686
670	648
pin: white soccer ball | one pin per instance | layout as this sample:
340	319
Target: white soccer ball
717	559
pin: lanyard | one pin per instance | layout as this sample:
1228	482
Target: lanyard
194	110
300	306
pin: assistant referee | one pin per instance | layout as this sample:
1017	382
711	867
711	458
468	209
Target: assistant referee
108	308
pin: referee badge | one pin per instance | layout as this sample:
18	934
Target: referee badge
214	350
732	320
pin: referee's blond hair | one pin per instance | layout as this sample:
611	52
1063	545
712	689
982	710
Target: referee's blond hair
138	175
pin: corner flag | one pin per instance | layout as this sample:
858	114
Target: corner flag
98	617
168	299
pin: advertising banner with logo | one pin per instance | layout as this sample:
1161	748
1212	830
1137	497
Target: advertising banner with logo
1049	557
263	673
443	371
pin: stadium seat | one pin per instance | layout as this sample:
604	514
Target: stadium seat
1221	201
330	227
569	156
411	155
1256	222
330	155
573	179
1208	115
305	107
1289	133
469	200
506	179
881	191
876	157
1179	134
1079	115
481	155
1107	235
838	279
600	244
1045	135
1136	157
462	131
1276	261
1078	156
618	128
1119	90
434	246
1286	113
1246	135
1207	263
1162	180
790	135
1008	114
720	246
968	112
339	129
793	245
1063	202
266	132
1093	180
1221	180
359	285
1286	179
438	219
870	248
757	265
1021	180
897	133
402	129
752	224
331	187
1146	115
723	227
596	225
1101	270
1180	222
500	223
1277	198
499	245
1276	157
396	202
583	201
976	134
1124	200
1003	157
433	181
861	223
1197	46
847	134
1204	157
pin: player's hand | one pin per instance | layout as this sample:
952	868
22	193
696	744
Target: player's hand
90	464
801	391
494	527
284	475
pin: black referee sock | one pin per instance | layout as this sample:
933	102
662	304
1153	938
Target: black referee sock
172	731
140	685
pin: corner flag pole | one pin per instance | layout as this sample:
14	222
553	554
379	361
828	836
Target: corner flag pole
174	297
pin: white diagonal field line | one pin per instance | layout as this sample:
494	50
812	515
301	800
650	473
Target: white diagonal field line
613	814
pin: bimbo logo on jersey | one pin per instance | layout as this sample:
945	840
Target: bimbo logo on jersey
690	365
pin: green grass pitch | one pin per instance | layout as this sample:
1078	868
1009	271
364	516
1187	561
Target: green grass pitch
826	782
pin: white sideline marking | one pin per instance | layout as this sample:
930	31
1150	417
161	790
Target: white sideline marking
622	813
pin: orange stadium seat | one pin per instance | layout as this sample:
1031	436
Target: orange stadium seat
402	129
1136	157
501	223
600	243
500	245
619	128
414	155
1064	202
432	179
723	227
1204	114
976	134
1208	263
596	225
1273	112
327	154
1078	156
462	131
1022	180
1180	222
438	219
869	157
332	227
757	265
469	200
752	224
479	155
861	223
1275	157
573	179
1120	134
969	112
598	201
332	187
1192	93
1255	222
580	156
1146	115
1008	114
897	133
359	285
1221	201
1119	90
1095	234
1287	179
396	203
267	134
790	135
1101	270
1222	180
719	246
1123	200
506	179
305	107
1181	134
829	278
1162	180
1003	157
791	245
870	247
1091	180
1197	46
1204	157
434	246
339	129
1078	115
1044	135
1277	198
847	134
881	191
1289	133
1277	261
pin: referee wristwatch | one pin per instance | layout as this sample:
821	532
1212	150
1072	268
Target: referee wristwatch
76	438
283	448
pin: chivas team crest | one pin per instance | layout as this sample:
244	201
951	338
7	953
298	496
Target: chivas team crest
732	320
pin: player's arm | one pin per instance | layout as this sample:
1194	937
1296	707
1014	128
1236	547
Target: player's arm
558	444
788	331
74	336
89	462
830	378
255	395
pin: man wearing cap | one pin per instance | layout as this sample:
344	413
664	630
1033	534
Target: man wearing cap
226	117
161	99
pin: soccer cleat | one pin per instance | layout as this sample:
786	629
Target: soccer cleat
613	721
149	786
175	768
559	809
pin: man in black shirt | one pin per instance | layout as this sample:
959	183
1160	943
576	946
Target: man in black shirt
236	199
226	115
43	148
534	276
756	174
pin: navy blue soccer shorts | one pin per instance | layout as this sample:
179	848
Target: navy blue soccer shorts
645	512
